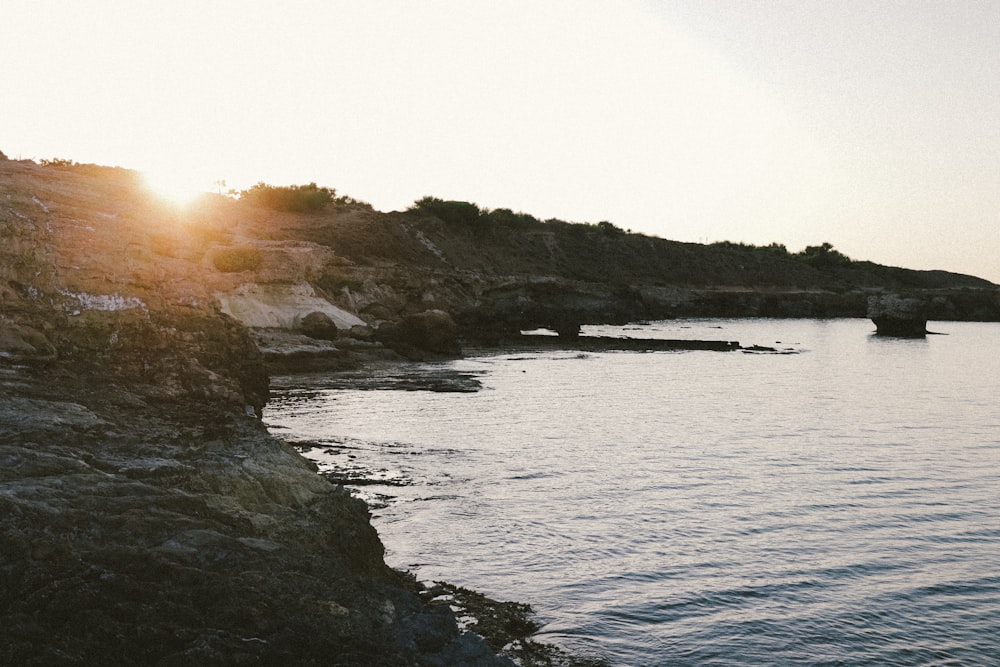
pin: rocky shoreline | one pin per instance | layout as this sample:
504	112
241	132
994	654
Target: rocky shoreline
146	514
154	538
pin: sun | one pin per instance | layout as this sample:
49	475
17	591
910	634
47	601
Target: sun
177	188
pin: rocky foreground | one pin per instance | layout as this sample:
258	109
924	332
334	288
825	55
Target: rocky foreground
146	516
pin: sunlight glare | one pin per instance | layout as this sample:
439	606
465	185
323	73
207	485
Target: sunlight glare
177	188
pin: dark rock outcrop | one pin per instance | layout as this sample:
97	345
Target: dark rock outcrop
894	315
417	336
318	325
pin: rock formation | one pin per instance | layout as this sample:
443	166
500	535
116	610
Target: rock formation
416	336
146	516
894	315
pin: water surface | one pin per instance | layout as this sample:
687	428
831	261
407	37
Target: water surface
835	506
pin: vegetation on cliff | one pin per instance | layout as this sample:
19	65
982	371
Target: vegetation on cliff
309	198
504	242
293	198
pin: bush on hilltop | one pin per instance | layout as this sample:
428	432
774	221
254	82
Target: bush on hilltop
290	198
820	256
450	211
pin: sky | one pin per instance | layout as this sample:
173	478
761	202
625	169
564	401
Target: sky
873	125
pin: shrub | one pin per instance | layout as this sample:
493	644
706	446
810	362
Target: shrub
56	162
450	211
770	249
105	172
822	256
236	260
291	198
508	218
609	228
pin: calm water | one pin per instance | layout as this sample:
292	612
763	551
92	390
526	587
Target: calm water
835	506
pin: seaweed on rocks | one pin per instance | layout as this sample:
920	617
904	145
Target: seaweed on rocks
507	627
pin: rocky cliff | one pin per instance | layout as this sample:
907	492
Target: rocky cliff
146	516
500	272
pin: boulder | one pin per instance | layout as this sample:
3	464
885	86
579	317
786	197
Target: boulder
418	336
360	332
894	315
318	325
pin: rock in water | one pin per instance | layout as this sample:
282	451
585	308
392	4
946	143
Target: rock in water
894	315
430	333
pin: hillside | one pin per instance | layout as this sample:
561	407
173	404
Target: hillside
501	271
494	272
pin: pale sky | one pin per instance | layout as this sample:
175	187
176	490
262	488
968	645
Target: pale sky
873	125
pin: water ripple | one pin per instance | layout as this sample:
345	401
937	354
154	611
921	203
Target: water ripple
835	507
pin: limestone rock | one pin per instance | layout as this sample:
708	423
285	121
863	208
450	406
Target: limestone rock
364	333
894	315
23	344
278	306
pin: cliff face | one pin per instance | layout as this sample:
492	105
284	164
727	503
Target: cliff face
351	269
96	278
146	517
496	276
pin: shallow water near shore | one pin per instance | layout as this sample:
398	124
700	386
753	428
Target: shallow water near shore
838	505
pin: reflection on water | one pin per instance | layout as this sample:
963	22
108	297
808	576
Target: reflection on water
836	506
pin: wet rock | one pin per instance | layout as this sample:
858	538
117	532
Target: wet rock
894	315
418	336
506	627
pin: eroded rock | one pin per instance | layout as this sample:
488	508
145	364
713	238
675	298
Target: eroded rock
318	325
894	315
416	336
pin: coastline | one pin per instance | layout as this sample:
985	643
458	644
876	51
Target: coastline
191	535
159	535
147	514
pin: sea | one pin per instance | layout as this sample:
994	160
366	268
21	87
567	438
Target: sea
830	499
